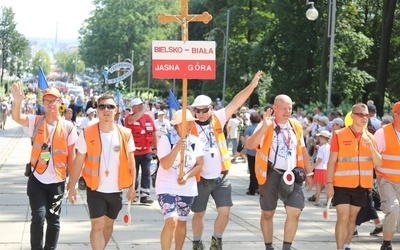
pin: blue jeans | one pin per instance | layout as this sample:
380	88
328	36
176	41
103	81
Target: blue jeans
45	201
144	162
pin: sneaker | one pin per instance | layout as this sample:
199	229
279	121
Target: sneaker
355	234
216	244
198	245
250	193
347	248
386	247
317	204
146	200
312	198
376	231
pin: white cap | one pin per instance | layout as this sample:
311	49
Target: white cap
160	113
324	133
177	117
90	110
135	101
202	100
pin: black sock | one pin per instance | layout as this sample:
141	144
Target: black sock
386	243
268	246
286	245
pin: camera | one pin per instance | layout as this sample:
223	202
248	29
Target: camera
28	169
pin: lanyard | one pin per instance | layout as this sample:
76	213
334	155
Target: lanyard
209	136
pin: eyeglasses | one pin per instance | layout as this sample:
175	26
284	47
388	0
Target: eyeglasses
47	101
107	106
361	115
203	111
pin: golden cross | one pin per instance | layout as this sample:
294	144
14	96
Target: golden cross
184	18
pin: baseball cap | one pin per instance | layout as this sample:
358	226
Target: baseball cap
371	108
338	121
177	117
90	110
160	113
135	101
52	91
324	133
396	107
324	120
202	100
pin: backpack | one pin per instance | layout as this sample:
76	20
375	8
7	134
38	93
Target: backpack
370	127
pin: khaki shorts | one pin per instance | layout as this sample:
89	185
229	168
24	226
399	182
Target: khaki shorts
269	193
219	189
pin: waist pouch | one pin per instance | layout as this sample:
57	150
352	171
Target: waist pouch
299	175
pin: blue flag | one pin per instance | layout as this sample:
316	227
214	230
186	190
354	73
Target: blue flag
42	86
173	104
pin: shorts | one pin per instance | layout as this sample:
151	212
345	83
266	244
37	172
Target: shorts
219	189
175	205
353	196
103	204
269	193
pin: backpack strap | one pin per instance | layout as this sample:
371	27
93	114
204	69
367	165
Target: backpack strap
38	123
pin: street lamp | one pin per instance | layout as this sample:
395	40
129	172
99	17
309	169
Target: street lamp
331	34
311	13
226	38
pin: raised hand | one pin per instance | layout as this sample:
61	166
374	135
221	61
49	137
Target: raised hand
17	92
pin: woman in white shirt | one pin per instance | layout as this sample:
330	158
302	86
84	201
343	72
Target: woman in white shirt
175	195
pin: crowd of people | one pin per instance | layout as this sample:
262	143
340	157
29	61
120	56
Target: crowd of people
113	146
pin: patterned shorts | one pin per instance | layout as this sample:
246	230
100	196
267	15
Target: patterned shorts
175	205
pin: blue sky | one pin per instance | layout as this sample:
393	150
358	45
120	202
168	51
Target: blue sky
39	18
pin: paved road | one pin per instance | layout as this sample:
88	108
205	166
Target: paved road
242	232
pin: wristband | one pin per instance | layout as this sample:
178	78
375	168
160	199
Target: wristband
329	182
310	174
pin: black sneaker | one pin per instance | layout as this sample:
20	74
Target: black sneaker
376	231
216	243
146	200
386	247
198	245
312	198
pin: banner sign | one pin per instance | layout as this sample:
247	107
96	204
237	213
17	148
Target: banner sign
183	60
124	66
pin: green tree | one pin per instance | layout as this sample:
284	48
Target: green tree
41	59
13	45
69	61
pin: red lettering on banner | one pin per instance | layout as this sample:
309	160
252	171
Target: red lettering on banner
202	51
170	49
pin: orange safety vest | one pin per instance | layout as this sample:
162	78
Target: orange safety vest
261	165
91	169
59	147
142	131
390	168
354	166
221	143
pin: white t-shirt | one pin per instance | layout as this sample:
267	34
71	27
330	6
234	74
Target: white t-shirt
323	153
109	161
167	179
162	127
49	176
233	125
286	153
212	158
86	122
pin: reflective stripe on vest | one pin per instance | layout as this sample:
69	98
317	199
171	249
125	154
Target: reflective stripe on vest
390	168
261	165
91	168
354	166
221	143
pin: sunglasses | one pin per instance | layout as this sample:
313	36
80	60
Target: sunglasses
361	115
47	101
203	111
107	106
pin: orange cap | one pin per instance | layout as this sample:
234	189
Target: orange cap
52	91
